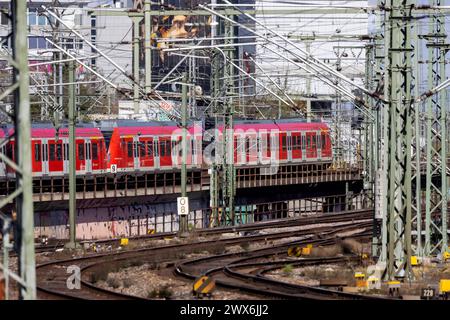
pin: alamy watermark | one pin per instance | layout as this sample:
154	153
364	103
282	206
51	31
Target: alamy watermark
74	280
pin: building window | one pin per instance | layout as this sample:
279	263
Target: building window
37	43
42	20
32	18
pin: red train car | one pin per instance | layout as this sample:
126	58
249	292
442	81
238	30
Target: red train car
152	146
260	142
50	154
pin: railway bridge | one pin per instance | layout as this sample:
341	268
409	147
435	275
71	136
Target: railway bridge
109	205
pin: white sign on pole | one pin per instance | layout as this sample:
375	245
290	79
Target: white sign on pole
183	206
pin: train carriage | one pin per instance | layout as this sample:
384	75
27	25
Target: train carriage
288	141
147	146
153	146
50	152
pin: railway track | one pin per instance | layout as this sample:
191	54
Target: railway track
277	223
234	272
52	276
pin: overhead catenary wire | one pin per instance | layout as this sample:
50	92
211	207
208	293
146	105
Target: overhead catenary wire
315	61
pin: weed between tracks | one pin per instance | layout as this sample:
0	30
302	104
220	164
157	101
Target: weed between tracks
287	269
163	292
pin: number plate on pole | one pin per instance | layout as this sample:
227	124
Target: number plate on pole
114	168
427	293
183	206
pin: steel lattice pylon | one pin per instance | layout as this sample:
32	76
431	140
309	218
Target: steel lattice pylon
23	195
435	240
414	140
399	171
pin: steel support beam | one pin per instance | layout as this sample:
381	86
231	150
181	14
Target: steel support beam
400	102
436	199
24	236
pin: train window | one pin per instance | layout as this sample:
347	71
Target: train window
142	152
313	140
308	142
59	151
247	145
81	151
130	149
52	152
323	140
162	148
295	143
283	142
94	151
167	146
150	148
37	152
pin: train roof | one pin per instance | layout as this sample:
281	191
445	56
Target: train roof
44	132
166	129
276	125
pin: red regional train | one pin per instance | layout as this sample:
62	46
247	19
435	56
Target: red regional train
152	146
50	152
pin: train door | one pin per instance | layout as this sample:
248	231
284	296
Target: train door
177	151
136	162
283	146
80	155
275	147
36	156
240	151
165	151
311	145
96	154
264	148
45	158
146	153
326	145
289	146
156	161
55	156
319	145
88	154
251	148
66	155
296	142
303	141
127	153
